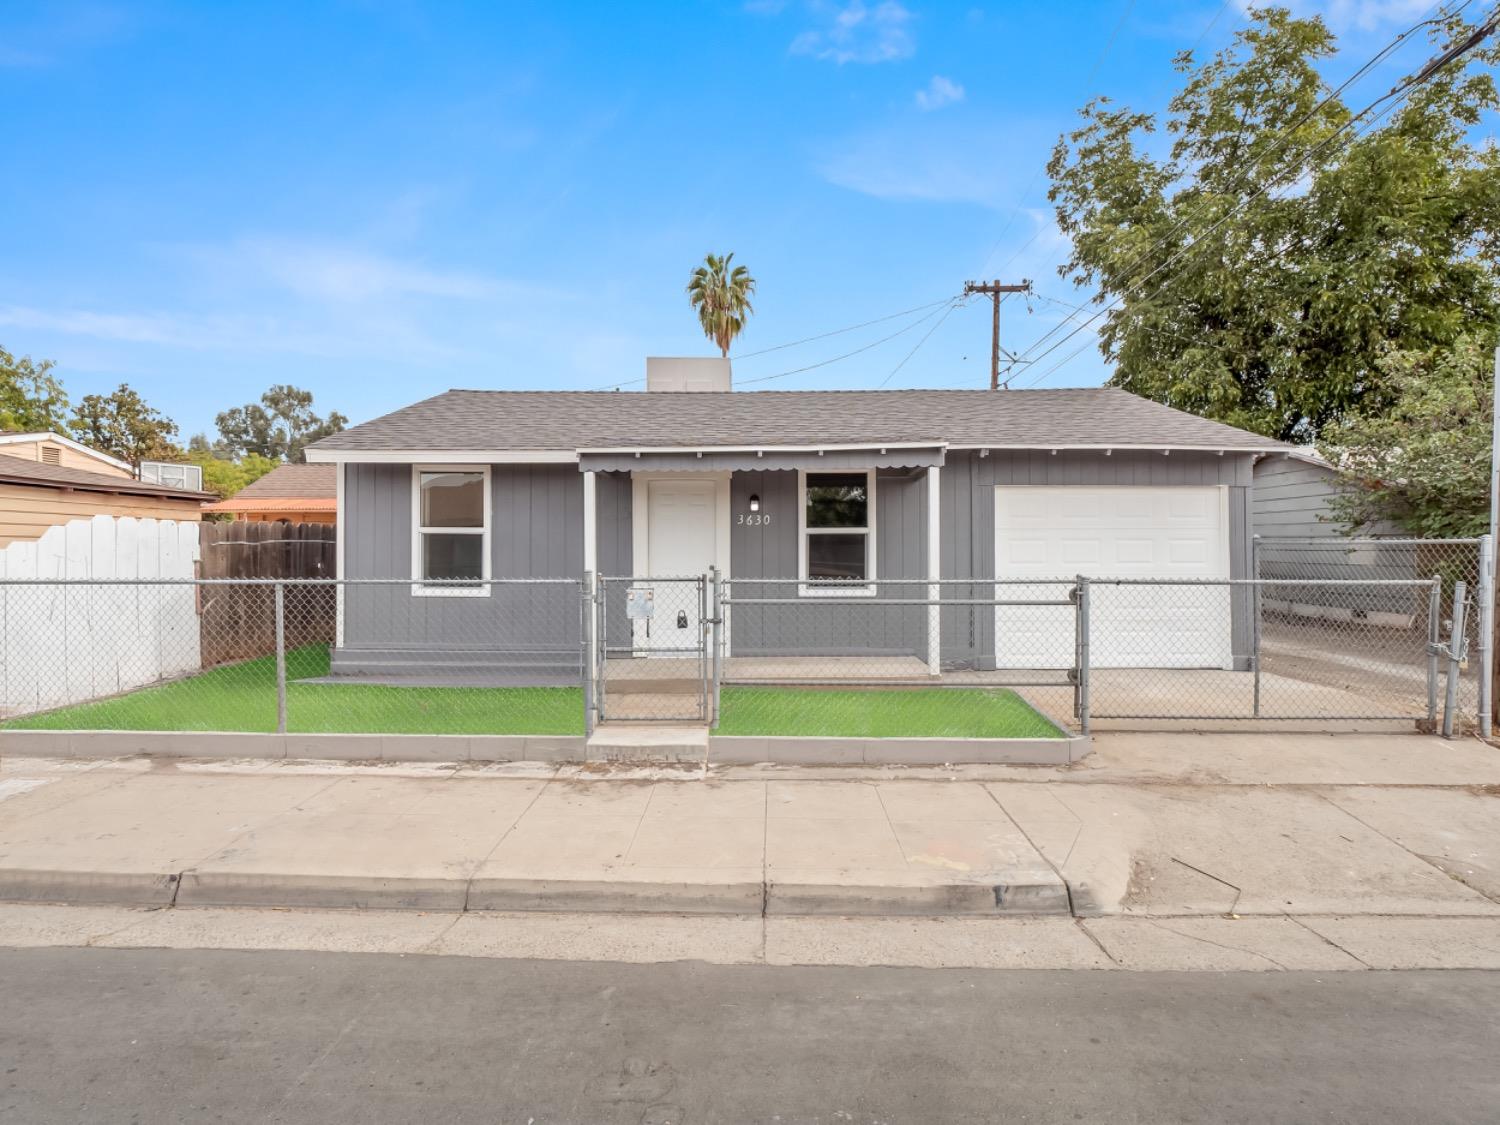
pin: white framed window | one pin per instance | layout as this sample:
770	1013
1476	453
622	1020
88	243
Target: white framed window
836	532
450	540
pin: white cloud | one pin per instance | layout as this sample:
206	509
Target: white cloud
938	93
937	160
334	273
859	33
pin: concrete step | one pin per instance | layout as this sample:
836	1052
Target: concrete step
647	742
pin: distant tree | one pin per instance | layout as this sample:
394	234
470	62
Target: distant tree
122	425
225	477
280	426
31	397
1259	269
1424	462
721	294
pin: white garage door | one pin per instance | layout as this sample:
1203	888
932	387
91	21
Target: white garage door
1114	532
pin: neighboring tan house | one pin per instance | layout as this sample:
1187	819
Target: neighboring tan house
55	449
36	494
827	493
295	493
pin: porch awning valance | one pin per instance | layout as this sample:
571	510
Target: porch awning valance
762	460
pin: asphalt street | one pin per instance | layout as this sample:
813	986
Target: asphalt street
97	1035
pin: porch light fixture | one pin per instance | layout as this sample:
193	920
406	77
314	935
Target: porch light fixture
755	502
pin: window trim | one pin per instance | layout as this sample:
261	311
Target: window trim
423	588
806	587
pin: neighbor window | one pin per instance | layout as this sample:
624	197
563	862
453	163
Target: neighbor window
836	539
452	533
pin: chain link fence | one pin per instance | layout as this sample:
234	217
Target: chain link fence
483	657
884	659
1333	631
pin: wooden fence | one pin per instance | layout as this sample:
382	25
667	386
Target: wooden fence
239	622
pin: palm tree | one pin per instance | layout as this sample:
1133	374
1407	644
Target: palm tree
722	297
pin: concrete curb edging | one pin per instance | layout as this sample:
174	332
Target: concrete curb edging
1027	892
747	750
723	749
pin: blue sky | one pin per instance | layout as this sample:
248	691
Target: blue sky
378	201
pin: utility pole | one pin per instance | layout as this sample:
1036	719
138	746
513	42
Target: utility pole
995	291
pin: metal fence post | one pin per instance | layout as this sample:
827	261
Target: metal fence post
1255	611
1434	648
1083	654
716	636
1486	635
1456	638
280	659
586	665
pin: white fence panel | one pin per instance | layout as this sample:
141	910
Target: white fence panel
70	644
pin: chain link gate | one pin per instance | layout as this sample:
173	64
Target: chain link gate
651	653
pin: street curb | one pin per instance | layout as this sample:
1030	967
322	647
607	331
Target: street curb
1030	893
1033	893
358	892
119	888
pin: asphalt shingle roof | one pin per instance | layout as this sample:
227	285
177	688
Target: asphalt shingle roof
304	482
19	470
567	420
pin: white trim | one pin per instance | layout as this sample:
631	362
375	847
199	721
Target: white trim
69	443
444	458
419	588
806	588
590	525
1106	447
934	571
768	448
341	525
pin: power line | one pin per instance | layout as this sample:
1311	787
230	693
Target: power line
1197	237
846	355
794	343
956	302
841	331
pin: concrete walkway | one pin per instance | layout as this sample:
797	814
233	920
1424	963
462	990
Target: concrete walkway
1196	828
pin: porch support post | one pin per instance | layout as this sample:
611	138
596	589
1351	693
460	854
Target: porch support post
593	595
934	574
590	523
340	535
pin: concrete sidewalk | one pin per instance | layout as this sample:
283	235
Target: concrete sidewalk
1159	825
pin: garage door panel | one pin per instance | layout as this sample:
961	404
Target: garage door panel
1135	532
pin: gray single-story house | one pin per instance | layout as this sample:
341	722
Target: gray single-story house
824	492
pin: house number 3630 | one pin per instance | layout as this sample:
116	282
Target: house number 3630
758	520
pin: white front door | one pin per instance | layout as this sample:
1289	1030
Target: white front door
681	537
1058	532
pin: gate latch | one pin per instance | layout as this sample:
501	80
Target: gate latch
682	619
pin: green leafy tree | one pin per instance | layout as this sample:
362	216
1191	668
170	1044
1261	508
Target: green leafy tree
1424	462
31	397
280	426
721	293
225	477
121	424
1266	261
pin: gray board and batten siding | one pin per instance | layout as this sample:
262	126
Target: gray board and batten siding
537	532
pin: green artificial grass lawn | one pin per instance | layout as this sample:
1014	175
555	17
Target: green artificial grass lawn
242	697
880	713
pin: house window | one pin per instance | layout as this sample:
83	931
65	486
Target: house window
837	532
451	543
